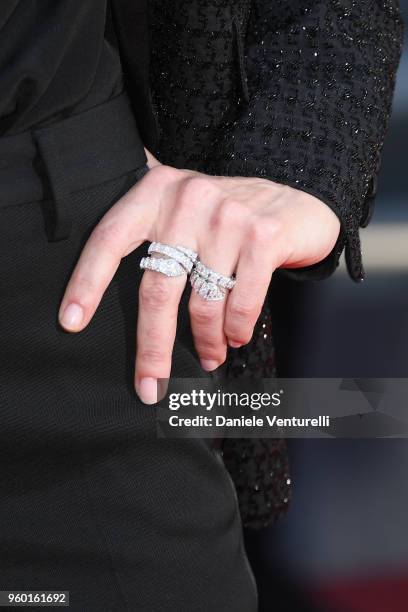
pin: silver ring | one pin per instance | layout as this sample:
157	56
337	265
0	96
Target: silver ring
206	289
188	252
173	253
226	282
168	267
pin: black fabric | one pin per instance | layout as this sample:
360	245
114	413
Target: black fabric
59	57
259	468
83	150
54	60
132	37
297	92
91	500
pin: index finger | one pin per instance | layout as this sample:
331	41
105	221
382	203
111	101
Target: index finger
122	229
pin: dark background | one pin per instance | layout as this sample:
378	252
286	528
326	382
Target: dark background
343	546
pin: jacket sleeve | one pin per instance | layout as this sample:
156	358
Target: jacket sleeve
317	84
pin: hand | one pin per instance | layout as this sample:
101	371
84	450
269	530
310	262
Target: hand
246	225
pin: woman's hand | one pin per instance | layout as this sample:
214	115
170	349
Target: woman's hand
249	226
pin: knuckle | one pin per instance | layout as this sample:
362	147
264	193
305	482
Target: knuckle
194	188
164	173
243	309
153	357
185	209
209	346
190	201
106	235
261	231
155	295
273	226
228	212
203	313
264	230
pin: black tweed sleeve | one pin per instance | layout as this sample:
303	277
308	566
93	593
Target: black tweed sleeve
317	86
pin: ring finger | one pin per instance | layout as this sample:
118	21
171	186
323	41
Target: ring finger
207	316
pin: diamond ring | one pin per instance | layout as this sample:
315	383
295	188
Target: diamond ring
206	289
173	253
209	284
168	267
188	252
176	261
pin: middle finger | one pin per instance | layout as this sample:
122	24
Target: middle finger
207	316
159	298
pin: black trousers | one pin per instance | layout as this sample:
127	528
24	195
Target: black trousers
91	501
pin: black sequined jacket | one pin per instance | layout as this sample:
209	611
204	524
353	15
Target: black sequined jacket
298	91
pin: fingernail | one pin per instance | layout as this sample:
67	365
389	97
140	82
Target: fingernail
147	390
209	364
72	316
234	344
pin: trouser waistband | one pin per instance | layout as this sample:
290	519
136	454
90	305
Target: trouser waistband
76	153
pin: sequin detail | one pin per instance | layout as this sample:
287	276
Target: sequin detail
297	92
